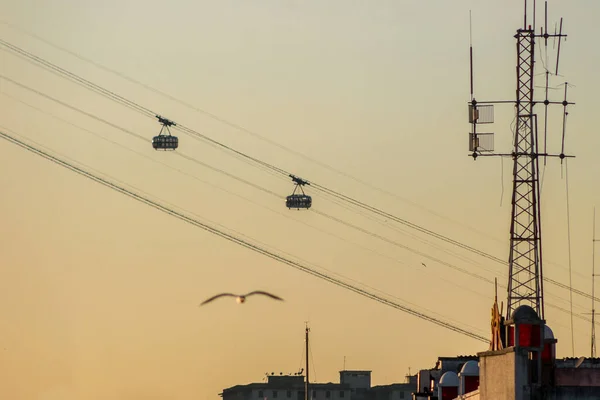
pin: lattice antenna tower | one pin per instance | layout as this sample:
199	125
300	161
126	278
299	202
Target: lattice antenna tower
525	278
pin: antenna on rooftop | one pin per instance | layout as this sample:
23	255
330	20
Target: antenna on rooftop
525	281
594	275
478	114
307	395
471	52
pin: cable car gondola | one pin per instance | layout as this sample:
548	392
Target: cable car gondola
165	141
298	201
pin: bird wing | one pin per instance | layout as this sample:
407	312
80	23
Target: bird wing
264	293
217	296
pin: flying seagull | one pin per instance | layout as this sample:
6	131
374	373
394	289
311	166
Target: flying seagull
240	298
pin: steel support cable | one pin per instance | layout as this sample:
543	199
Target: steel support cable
194	177
138	136
235	126
134	106
231	175
199	162
214	142
193	133
229	192
437	235
239	179
445	263
239	241
148	112
326	191
397	229
86	83
437	260
269	192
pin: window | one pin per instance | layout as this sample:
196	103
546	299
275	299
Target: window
275	393
342	393
314	396
328	394
289	394
260	394
402	394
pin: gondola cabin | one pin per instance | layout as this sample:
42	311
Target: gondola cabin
165	142
298	201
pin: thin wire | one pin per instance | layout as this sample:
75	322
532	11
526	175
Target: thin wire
569	245
417	252
235	194
313	370
502	179
111	95
270	192
302	358
370	287
367	286
197	135
248	200
245	198
62	103
233	125
128	103
87	84
235	239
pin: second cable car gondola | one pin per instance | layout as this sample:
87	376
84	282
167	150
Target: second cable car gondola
164	140
298	201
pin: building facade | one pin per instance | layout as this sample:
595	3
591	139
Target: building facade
353	385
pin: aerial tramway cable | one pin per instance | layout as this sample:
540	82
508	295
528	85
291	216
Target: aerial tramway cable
147	112
237	240
441	262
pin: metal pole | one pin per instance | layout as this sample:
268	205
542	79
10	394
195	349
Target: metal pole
306	388
593	338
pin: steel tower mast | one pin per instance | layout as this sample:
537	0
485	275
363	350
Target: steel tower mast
525	279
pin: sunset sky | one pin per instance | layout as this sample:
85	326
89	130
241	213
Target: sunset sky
99	293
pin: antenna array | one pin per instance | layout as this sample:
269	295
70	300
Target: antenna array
525	285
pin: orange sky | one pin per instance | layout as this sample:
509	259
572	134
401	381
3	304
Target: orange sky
99	294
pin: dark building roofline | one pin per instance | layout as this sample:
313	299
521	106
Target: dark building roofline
461	357
393	386
362	371
267	386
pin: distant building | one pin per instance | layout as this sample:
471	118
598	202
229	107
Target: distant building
353	385
428	379
526	368
287	387
394	391
520	366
